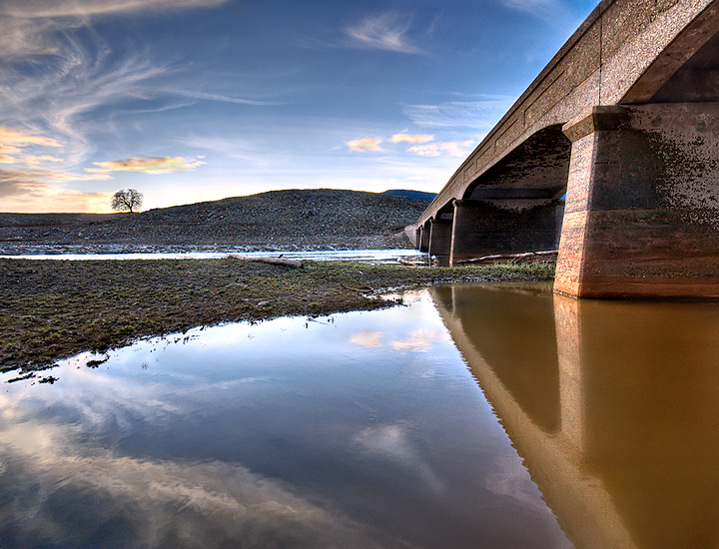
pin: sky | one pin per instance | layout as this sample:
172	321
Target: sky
195	100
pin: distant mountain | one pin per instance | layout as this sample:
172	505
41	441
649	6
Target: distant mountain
417	195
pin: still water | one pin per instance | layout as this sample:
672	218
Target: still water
471	417
362	256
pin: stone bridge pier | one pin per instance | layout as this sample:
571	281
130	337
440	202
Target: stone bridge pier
642	207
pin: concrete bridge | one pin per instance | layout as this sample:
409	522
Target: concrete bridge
624	121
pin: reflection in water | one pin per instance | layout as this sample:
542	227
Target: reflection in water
367	431
613	406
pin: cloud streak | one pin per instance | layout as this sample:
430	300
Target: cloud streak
410	138
14	141
222	98
33	9
451	148
58	75
383	32
549	11
481	115
43	191
365	144
153	166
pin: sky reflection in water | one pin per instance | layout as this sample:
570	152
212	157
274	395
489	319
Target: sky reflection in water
359	430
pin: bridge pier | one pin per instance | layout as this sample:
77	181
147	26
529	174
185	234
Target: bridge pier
440	240
487	228
642	208
423	239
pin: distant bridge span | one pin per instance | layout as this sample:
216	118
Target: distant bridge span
625	121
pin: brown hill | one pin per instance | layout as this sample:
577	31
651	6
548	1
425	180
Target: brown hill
290	219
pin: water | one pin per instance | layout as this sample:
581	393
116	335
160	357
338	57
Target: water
614	407
364	256
474	417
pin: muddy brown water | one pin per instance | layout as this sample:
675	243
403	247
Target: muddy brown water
470	417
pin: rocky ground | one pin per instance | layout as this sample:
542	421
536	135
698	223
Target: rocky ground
277	220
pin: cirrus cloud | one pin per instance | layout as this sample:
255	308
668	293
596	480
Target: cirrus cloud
153	166
451	148
365	144
383	32
13	141
43	191
83	8
411	138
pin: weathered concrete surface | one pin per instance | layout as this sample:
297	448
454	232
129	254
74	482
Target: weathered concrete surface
642	213
650	221
440	241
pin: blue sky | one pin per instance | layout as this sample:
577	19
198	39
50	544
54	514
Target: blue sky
192	100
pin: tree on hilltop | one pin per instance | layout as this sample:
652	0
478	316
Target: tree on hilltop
129	200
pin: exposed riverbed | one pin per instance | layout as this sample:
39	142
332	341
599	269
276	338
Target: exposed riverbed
52	309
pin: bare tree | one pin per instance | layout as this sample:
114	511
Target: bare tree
129	200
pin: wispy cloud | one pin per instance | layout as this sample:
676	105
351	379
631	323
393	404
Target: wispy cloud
387	31
84	8
38	191
153	166
366	144
452	148
221	98
14	142
547	10
480	115
57	75
411	138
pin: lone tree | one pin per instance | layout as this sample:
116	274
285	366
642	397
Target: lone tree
129	200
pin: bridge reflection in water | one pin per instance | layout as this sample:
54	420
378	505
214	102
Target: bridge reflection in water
614	407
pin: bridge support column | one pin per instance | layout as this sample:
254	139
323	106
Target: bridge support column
642	209
424	239
483	228
440	241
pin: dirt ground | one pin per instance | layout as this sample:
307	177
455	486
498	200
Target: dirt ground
50	310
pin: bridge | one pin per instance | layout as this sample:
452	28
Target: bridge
610	156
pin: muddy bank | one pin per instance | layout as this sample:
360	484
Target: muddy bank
50	310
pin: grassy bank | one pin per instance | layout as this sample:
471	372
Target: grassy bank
50	310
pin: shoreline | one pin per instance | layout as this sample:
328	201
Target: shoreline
52	310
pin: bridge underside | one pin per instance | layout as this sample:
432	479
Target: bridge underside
641	181
514	207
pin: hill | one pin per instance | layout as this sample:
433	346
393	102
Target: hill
420	195
282	220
